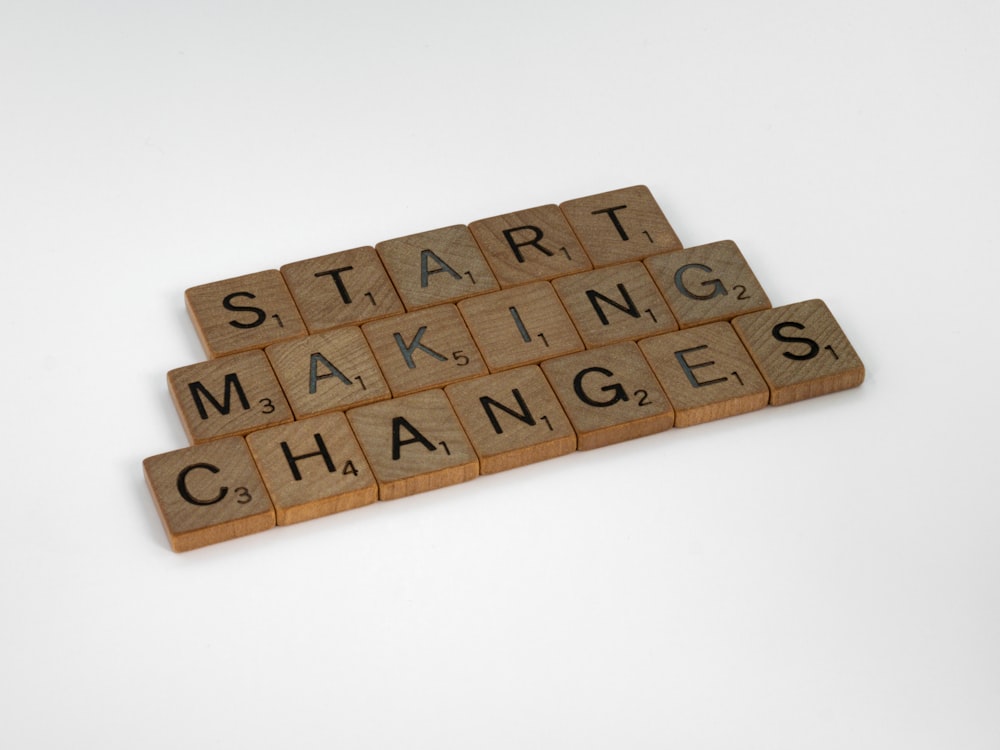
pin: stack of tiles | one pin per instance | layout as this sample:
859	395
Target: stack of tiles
380	372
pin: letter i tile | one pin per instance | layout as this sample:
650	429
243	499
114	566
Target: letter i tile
414	444
312	468
800	350
208	493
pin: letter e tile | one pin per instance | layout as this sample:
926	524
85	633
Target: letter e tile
208	493
243	313
610	394
414	443
512	418
706	373
620	225
312	468
800	350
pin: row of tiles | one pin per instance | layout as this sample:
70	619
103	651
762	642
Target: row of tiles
295	471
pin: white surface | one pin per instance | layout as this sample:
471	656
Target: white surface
821	575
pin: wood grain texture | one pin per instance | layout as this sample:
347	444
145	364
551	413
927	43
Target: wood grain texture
329	371
614	303
520	326
529	245
707	283
512	419
208	493
620	225
228	396
342	288
801	351
442	265
424	349
414	444
312	468
610	394
243	313
706	372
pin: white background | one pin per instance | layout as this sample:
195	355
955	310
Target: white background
820	575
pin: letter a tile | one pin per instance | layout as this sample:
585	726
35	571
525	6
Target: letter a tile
227	396
313	468
512	418
620	225
610	394
800	350
414	443
706	373
208	493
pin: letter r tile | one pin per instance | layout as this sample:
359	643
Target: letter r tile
208	493
610	394
414	443
243	313
801	351
343	288
227	396
620	225
443	265
530	245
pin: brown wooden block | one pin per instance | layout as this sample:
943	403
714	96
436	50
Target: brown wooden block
520	326
208	493
329	371
343	288
512	418
430	268
227	396
610	394
800	350
312	468
707	283
424	349
620	225
414	444
614	303
706	373
529	245
243	313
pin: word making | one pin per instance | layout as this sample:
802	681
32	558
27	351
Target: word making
380	372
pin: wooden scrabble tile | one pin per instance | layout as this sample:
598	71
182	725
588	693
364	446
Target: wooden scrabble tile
706	373
529	245
414	444
614	303
519	326
227	396
312	468
424	349
243	313
610	394
443	265
800	350
208	493
707	283
512	418
328	371
620	225
343	288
